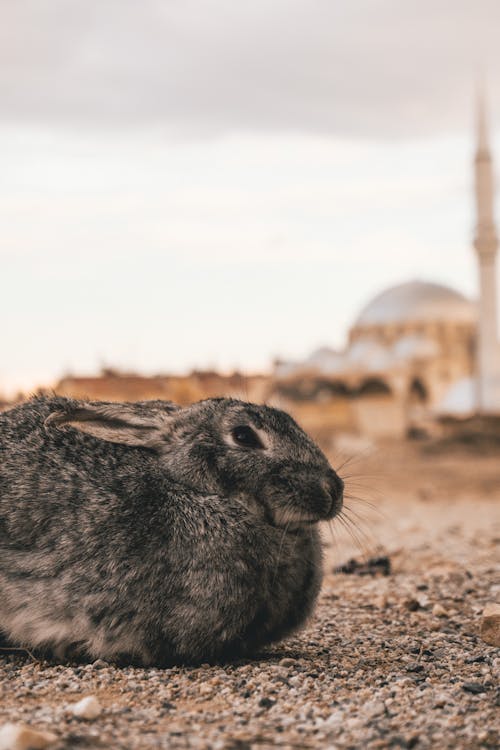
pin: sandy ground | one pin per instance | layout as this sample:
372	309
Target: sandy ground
387	661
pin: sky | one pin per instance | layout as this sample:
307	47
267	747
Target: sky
204	183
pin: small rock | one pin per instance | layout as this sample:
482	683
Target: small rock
88	708
372	566
474	687
475	659
22	737
490	625
276	670
100	664
440	701
380	601
439	611
286	662
412	605
374	708
266	702
415	667
335	719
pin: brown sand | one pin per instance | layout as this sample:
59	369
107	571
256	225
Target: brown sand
387	662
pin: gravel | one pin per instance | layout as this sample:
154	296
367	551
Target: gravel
388	661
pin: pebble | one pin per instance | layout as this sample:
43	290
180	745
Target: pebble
439	611
100	664
266	702
86	708
23	737
474	687
335	719
374	708
490	625
287	662
412	605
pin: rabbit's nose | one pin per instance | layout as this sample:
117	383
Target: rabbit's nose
334	487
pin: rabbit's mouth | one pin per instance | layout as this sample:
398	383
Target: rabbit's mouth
296	499
292	519
322	506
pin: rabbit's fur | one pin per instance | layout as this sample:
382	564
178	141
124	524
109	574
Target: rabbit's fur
146	532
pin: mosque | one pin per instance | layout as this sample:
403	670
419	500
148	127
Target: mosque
417	350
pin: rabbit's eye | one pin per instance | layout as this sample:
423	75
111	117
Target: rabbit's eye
246	437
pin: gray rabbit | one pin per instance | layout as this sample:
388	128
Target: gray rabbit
156	534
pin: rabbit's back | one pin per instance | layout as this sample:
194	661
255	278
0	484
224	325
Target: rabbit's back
76	516
53	483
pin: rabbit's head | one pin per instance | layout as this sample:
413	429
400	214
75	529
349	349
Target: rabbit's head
224	446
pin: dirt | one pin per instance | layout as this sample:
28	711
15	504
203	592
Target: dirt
387	661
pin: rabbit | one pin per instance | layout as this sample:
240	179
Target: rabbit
154	534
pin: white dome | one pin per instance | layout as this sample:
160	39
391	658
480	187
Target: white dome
417	301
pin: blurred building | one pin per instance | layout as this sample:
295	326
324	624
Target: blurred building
407	347
416	350
113	385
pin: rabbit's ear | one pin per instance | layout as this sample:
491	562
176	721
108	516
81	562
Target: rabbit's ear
115	423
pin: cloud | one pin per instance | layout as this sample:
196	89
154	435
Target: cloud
370	68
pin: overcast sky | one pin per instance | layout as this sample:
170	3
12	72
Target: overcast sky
212	183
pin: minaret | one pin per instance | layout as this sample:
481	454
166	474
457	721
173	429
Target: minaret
486	244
